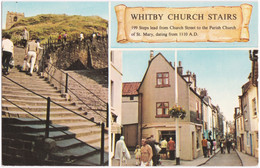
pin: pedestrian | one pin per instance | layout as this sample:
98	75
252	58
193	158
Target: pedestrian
36	66
228	145
214	145
204	146
208	147
211	146
25	37
146	154
233	145
137	155
171	146
121	152
152	143
163	148
81	36
65	36
222	147
31	53
7	53
59	38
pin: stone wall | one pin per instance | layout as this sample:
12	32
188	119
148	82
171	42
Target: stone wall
91	53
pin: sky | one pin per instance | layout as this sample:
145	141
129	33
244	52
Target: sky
33	8
221	72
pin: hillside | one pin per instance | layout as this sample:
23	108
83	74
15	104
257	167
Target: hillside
50	25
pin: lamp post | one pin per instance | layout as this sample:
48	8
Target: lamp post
177	112
177	123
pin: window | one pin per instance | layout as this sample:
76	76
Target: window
197	110
162	109
112	94
254	107
162	79
131	97
15	18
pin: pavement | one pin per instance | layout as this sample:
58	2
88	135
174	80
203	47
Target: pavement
196	162
247	160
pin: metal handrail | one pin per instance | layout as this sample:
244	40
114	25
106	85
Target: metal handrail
51	100
77	97
48	123
78	83
57	129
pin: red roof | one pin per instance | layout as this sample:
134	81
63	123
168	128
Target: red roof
130	88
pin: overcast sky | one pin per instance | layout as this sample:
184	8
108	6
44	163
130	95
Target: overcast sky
33	8
221	72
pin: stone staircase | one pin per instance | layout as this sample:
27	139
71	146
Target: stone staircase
84	151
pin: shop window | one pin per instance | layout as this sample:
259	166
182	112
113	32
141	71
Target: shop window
162	79
162	110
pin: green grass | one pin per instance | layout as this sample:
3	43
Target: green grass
50	25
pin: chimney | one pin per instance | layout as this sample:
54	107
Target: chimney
151	54
180	69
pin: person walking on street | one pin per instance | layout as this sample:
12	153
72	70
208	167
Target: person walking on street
137	155
222	147
211	146
228	145
121	152
214	145
152	143
7	53
204	146
171	146
146	154
32	52
25	37
164	147
208	147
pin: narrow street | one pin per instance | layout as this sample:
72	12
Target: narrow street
226	159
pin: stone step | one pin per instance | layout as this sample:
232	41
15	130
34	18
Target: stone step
33	128
56	135
42	102
41	115
36	89
94	159
68	143
83	132
25	93
21	121
11	107
73	153
31	86
31	97
95	140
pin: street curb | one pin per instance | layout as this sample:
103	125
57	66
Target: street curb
239	157
209	159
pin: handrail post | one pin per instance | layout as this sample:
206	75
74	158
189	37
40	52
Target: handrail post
107	119
102	144
47	122
66	85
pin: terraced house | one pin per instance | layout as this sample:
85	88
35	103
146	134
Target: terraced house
247	114
157	95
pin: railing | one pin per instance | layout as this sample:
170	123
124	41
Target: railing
99	103
47	121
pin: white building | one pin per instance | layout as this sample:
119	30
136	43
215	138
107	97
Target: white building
115	96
